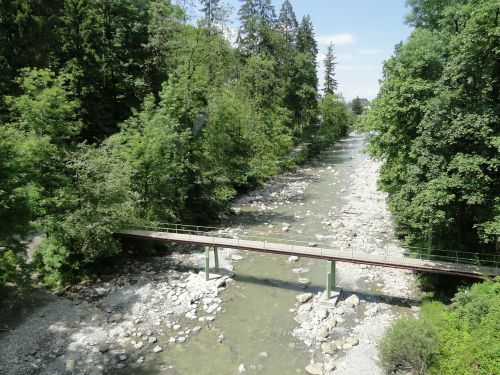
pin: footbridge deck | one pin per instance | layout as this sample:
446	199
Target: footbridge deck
455	265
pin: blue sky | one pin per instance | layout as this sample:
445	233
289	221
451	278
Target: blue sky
364	33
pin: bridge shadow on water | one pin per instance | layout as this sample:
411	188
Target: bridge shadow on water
313	288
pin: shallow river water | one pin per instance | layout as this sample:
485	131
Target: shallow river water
256	314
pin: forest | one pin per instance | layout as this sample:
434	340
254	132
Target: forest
120	112
435	126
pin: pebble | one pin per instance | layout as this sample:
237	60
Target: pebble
241	368
157	349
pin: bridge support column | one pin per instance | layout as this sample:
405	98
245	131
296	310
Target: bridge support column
216	259
330	278
207	263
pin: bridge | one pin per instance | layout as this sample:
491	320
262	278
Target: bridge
439	261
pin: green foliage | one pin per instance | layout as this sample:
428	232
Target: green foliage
143	116
357	107
409	345
330	84
334	123
435	124
463	340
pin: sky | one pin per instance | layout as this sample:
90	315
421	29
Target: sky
364	33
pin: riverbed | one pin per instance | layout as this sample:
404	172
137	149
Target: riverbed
160	316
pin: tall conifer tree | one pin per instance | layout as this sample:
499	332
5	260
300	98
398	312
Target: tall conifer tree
287	22
330	81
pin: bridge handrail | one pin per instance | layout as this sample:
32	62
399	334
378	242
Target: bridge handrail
221	230
215	232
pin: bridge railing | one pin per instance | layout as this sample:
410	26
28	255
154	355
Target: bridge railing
443	255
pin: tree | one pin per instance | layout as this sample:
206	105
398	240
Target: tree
212	12
306	43
33	147
357	107
287	22
103	46
329	62
165	28
258	20
435	121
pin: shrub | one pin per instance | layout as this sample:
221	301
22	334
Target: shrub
409	344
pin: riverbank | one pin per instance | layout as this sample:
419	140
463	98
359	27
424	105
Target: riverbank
121	320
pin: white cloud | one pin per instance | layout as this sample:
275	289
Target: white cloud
337	39
369	51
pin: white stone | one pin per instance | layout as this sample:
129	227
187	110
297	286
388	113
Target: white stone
316	369
304	297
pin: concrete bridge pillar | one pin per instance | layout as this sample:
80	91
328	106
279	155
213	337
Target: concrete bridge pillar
207	261
330	278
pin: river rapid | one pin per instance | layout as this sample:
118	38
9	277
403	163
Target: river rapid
161	317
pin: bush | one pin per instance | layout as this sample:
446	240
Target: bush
464	340
409	344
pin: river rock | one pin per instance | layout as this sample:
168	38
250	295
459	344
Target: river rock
328	347
339	318
263	354
304	297
353	341
241	368
352	300
301	318
236	257
322	333
305	308
181	339
316	369
70	364
139	345
293	259
303	281
157	349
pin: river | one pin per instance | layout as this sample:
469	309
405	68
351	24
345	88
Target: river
256	322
